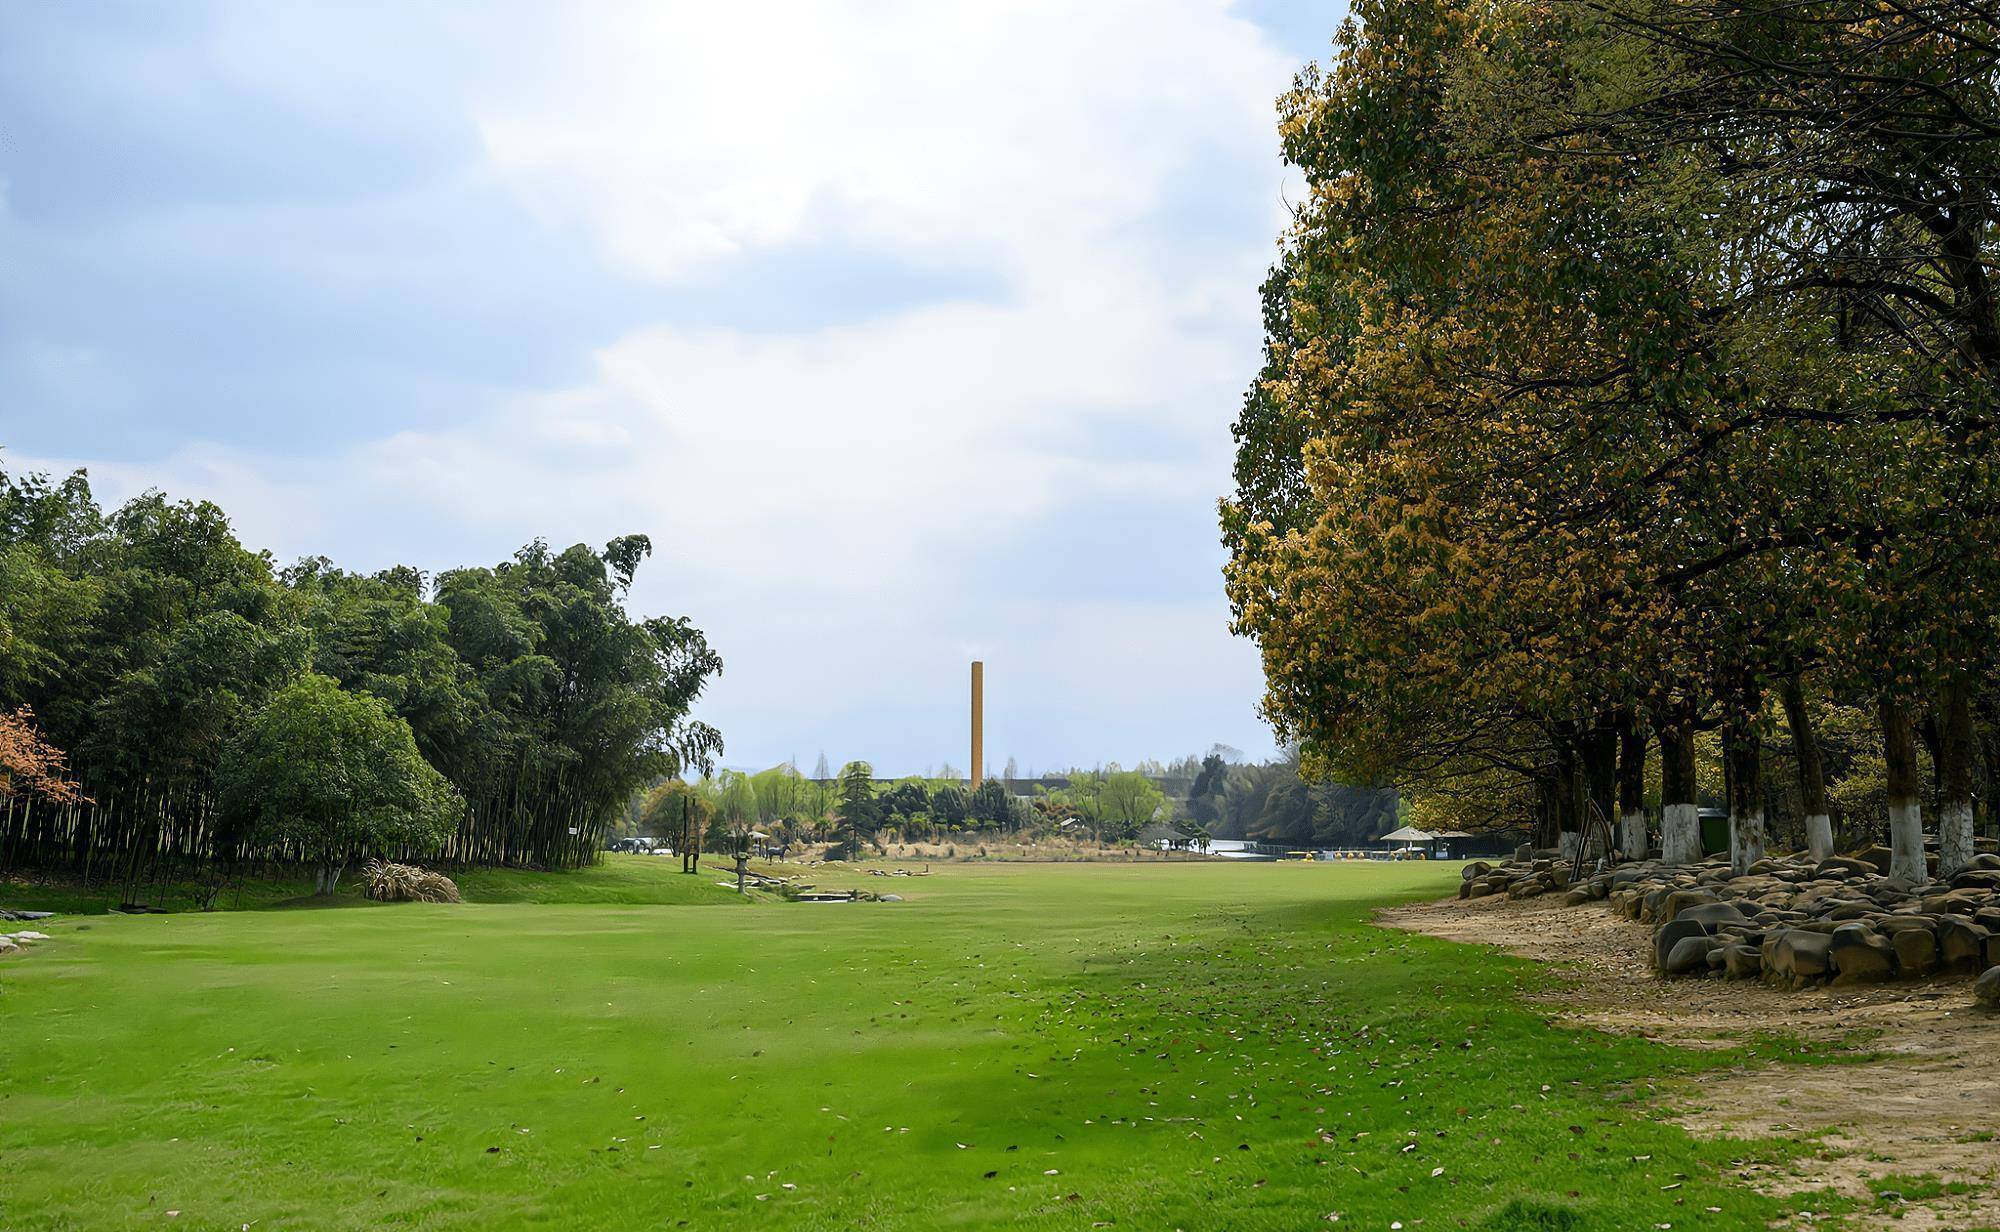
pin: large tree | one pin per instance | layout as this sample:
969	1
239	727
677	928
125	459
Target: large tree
333	776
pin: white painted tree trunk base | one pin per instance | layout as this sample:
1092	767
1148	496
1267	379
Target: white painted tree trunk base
1746	842
1632	835
1680	834
1819	837
1906	844
1955	846
1566	844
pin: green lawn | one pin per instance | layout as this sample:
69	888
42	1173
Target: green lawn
1195	1046
616	879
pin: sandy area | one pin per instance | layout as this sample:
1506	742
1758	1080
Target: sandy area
1931	1104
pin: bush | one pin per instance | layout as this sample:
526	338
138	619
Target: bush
406	883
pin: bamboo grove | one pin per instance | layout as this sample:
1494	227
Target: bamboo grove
137	643
1628	415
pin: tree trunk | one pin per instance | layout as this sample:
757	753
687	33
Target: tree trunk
326	877
1632	787
1680	820
1812	772
1906	822
1600	775
1569	792
1957	749
1745	751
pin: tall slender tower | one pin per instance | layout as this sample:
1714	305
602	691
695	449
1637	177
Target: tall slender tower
978	721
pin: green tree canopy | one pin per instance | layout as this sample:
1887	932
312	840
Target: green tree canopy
334	776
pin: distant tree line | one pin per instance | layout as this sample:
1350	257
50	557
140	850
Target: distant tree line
1203	797
211	710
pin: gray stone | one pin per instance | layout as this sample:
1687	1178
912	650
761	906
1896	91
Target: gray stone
1671	934
1916	950
1678	901
1986	989
1799	953
1878	856
1844	868
1861	954
1713	915
1961	942
1689	954
1743	962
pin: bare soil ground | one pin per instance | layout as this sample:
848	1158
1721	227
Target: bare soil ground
1928	1106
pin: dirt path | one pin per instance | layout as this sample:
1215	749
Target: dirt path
1931	1106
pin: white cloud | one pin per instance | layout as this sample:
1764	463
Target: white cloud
822	495
1030	133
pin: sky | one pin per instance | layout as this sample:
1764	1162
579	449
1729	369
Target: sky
910	332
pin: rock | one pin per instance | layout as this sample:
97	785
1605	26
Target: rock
1478	868
7	946
1680	900
1743	962
1861	954
31	936
1916	950
1689	954
1798	953
1540	883
891	898
1845	868
1986	989
1576	897
1671	934
1961	942
1713	915
1879	856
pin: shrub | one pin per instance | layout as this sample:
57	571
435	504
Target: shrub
406	883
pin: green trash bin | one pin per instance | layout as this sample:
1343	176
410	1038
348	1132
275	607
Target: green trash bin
1714	831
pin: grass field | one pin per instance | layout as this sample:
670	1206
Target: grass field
618	879
1194	1046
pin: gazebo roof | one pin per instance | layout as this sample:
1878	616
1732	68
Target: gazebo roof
1408	834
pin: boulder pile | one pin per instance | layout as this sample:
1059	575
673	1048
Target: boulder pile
11	944
1788	920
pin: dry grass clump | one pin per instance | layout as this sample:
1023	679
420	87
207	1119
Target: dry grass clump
406	883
